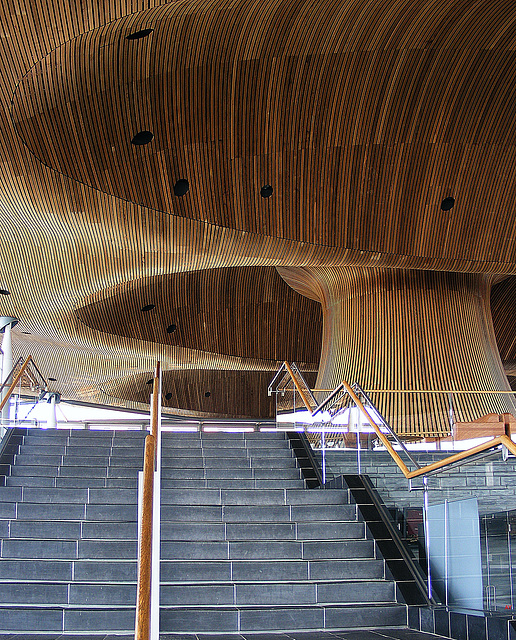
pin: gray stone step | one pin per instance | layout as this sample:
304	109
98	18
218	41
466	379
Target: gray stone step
280	619
262	531
274	593
259	497
230	474
267	570
70	530
70	619
260	550
221	594
248	514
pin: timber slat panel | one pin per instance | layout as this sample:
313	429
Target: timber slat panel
363	116
410	331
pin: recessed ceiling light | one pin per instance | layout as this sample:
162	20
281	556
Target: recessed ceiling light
142	137
181	187
148	307
266	191
139	34
168	396
207	394
150	381
4	292
171	328
447	204
52	379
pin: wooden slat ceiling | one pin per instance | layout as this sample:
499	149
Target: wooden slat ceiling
238	311
202	392
362	116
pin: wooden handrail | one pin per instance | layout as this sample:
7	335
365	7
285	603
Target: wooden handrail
461	455
394	455
296	384
414	391
439	464
15	381
143	601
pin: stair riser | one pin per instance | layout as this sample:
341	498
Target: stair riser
263	531
278	570
256	550
280	620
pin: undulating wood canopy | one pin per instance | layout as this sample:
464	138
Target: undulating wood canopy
176	153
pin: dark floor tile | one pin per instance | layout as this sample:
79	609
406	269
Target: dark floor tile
359	634
458	625
313	635
427	620
266	636
413	617
207	636
408	634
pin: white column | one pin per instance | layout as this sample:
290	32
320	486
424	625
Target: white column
52	422
6	324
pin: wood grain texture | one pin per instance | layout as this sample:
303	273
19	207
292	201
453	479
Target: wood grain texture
143	599
361	115
204	393
246	312
409	330
361	131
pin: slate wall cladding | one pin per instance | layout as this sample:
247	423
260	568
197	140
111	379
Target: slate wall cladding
461	626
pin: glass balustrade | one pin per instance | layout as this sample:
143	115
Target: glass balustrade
458	520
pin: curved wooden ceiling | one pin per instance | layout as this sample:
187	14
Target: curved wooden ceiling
204	393
362	120
362	116
247	312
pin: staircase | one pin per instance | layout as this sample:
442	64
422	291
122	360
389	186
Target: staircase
245	547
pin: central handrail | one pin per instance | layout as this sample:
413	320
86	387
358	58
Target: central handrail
439	464
498	441
145	559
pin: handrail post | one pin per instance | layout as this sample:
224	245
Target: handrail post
143	603
156	538
147	605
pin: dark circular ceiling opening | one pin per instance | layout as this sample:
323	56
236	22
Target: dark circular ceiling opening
181	187
4	292
137	35
52	379
142	137
207	394
266	191
447	204
168	396
171	328
148	307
